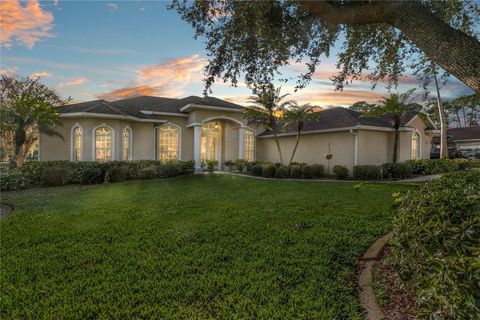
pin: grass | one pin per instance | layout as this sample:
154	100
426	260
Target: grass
220	247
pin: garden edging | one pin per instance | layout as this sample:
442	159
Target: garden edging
366	294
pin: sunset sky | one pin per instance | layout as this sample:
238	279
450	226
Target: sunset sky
113	50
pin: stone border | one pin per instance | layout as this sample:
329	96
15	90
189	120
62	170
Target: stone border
365	291
5	210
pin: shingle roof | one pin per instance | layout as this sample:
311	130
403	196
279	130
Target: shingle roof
134	106
468	133
339	117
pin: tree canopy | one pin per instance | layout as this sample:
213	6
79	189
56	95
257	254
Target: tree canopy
255	38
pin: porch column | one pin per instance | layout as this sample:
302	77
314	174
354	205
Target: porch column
241	143
197	134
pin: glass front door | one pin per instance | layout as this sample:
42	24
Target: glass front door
210	141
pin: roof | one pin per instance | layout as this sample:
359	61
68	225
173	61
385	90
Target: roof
133	107
339	117
467	133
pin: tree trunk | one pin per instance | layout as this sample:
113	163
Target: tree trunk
395	145
278	146
21	156
443	123
451	49
295	147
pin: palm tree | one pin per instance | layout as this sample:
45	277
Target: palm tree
26	109
267	109
394	107
298	115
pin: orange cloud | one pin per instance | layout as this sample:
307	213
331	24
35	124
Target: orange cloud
41	74
131	92
8	71
23	24
181	69
326	97
73	82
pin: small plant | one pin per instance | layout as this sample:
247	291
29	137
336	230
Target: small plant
211	165
229	164
282	172
296	171
268	171
256	170
341	172
314	171
240	165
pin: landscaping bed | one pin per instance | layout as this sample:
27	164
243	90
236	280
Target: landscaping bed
194	247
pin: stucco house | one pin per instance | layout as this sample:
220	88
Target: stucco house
208	128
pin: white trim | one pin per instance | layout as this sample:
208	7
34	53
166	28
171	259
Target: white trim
197	106
355	150
419	145
197	135
94	141
179	155
106	116
195	124
223	117
72	141
171	114
130	142
359	127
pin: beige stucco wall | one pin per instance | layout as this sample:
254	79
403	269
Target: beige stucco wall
311	149
374	147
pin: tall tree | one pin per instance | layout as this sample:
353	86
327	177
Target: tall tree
256	38
26	109
394	107
267	108
441	117
298	115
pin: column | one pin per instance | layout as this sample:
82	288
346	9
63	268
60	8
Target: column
241	143
197	134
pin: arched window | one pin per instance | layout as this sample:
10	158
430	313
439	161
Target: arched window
168	142
415	146
249	145
77	143
103	144
127	144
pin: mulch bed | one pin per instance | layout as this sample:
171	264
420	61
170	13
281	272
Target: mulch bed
400	302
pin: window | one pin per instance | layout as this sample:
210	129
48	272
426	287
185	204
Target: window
168	143
103	144
249	145
126	146
415	146
77	143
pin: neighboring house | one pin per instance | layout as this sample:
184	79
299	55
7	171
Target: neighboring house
212	129
461	138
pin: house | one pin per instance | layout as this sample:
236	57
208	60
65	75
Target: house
467	138
208	128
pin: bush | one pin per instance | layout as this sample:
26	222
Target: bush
240	165
315	171
56	175
367	172
281	172
88	173
149	172
396	171
436	237
268	171
168	170
211	165
436	166
116	173
296	171
186	167
229	164
256	170
13	179
341	172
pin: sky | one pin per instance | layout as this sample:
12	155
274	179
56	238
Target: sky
109	50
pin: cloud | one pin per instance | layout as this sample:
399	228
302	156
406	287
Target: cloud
24	24
73	82
166	79
41	74
8	71
112	7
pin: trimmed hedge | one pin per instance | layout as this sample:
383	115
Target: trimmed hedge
367	172
396	171
269	171
55	173
282	172
314	171
436	166
296	171
436	245
341	172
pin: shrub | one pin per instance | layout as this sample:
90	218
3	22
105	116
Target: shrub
436	237
367	172
229	164
314	171
167	170
268	171
396	171
240	165
436	166
256	170
211	164
88	173
116	173
56	175
296	171
13	179
282	172
149	172
341	172
186	167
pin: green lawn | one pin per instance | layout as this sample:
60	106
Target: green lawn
198	247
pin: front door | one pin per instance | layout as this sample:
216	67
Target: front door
210	141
